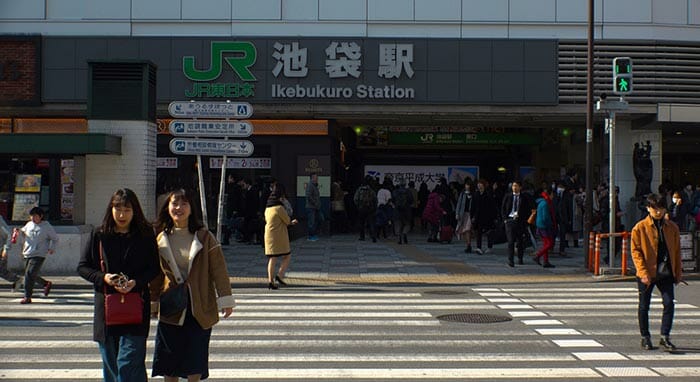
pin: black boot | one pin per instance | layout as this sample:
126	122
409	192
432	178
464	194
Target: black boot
666	345
646	343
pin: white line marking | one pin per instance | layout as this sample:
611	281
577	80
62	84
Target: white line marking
599	356
577	343
527	314
678	371
275	343
333	373
558	331
315	357
542	322
514	306
504	300
627	372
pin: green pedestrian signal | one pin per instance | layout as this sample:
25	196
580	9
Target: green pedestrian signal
622	75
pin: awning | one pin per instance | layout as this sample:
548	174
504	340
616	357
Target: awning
76	144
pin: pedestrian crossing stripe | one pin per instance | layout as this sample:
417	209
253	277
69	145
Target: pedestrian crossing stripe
361	322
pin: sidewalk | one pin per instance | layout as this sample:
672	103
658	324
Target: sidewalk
344	259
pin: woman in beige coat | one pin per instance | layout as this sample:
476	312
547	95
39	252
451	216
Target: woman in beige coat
277	218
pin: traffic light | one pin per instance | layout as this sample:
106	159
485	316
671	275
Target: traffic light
622	75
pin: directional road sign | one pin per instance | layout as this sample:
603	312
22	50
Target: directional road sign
211	147
210	128
210	109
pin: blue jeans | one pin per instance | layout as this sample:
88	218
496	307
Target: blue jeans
313	218
124	358
667	296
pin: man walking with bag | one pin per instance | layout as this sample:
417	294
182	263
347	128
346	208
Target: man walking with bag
656	254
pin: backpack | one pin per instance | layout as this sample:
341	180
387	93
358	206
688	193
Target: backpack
365	198
401	199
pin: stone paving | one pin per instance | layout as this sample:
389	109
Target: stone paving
344	259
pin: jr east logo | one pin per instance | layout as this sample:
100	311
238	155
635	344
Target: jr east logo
238	55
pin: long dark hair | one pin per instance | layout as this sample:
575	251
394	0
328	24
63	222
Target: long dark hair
125	197
165	221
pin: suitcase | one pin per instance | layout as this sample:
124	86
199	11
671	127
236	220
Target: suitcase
446	233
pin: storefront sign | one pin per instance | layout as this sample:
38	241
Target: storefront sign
212	147
67	168
210	128
237	163
28	183
166	162
202	109
429	174
23	203
463	139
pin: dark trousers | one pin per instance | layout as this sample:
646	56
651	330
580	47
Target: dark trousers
667	295
31	274
515	233
479	232
562	238
367	219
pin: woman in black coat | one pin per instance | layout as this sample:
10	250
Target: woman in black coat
127	244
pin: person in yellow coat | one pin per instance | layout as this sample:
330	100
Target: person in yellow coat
277	219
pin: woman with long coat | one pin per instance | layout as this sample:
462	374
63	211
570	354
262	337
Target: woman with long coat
277	219
124	245
432	214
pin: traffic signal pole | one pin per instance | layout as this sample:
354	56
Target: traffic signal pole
587	216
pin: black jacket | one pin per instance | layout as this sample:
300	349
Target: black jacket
134	255
524	209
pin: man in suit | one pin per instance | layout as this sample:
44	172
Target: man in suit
515	209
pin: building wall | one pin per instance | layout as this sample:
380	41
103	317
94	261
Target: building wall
135	168
619	19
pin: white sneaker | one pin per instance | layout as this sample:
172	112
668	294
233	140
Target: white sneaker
487	251
479	251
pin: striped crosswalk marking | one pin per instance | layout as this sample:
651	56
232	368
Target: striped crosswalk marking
389	335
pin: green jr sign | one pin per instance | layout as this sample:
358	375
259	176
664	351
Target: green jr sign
462	139
244	56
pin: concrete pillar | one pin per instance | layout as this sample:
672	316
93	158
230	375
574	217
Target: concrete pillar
134	169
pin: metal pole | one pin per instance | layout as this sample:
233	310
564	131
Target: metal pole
202	196
612	194
220	218
588	207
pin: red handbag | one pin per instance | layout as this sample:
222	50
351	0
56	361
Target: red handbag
120	308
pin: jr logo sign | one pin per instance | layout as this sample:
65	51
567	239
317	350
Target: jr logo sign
241	56
245	58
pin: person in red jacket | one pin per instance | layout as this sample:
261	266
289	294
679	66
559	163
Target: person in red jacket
432	214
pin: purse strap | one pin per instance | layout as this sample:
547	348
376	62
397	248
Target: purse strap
103	267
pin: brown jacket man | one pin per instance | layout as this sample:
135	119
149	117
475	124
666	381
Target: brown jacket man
645	239
656	239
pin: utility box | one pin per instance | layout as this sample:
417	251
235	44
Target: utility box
122	90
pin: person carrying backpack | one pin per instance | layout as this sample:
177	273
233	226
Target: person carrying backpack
403	203
366	202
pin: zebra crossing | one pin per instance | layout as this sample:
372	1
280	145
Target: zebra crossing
559	332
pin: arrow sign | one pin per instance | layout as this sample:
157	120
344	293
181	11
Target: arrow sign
207	109
210	128
211	147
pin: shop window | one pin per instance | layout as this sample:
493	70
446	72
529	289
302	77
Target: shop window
31	182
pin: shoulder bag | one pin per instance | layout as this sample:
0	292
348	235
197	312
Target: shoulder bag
121	308
174	300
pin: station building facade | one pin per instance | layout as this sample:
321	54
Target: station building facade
339	88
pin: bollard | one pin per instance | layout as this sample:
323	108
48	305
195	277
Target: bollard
625	238
591	250
596	264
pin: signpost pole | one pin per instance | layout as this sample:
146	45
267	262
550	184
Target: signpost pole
202	196
612	196
222	184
